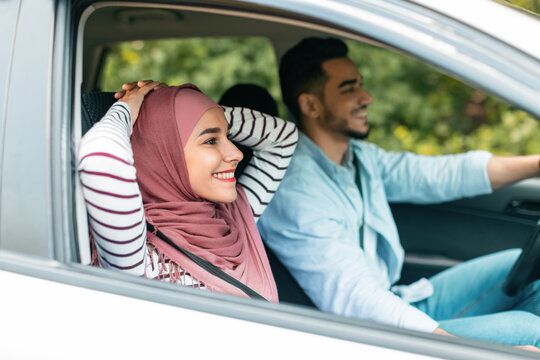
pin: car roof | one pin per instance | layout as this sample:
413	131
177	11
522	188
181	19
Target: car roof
514	26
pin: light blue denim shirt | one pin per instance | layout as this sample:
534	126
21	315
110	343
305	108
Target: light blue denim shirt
313	222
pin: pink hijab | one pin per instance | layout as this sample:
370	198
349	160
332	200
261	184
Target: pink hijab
223	234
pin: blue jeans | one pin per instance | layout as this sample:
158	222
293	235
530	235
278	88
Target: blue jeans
468	301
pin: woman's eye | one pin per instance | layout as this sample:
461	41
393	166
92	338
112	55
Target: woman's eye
211	141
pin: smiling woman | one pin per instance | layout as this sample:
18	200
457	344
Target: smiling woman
185	169
211	158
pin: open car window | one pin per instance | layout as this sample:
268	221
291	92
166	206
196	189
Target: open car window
417	107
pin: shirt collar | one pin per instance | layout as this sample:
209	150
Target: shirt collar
327	165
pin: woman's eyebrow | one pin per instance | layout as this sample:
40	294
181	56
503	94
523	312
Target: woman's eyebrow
213	130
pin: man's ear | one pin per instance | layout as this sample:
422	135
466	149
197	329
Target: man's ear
310	105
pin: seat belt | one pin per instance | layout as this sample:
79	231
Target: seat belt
211	268
356	164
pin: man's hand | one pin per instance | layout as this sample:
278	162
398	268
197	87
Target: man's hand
133	94
439	331
528	348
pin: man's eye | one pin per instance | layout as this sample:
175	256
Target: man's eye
349	90
211	141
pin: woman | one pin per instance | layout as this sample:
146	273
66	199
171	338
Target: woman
181	156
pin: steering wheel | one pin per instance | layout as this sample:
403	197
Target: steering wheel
526	269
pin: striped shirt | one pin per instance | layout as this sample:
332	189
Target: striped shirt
113	199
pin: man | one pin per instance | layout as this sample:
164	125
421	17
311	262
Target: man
331	225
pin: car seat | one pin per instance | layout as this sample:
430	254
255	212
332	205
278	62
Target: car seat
95	106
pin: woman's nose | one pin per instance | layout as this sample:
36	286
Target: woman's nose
232	153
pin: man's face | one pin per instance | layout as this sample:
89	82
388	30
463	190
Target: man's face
345	101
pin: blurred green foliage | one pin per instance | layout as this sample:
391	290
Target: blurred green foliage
531	5
416	108
213	64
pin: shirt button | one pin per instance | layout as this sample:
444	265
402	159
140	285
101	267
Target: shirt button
349	188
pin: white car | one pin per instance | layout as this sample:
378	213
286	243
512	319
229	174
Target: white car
53	305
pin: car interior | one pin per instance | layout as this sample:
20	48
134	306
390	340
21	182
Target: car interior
435	237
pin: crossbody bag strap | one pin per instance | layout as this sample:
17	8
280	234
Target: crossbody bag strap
211	268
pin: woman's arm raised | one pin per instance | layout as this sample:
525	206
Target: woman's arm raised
111	193
273	141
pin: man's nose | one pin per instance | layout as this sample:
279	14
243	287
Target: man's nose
365	97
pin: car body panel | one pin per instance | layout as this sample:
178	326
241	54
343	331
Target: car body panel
25	213
187	333
8	17
496	23
77	307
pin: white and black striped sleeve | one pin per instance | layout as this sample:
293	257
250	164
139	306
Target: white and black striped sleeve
110	189
273	141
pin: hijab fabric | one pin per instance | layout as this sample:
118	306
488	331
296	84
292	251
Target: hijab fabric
223	234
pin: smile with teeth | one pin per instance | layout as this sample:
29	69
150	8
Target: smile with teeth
227	175
360	114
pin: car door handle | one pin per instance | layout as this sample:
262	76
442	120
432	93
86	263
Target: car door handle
524	208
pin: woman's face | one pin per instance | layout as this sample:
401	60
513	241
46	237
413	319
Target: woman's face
211	158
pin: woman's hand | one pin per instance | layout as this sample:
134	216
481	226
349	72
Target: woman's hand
133	94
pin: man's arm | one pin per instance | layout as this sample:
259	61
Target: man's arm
428	179
422	179
505	170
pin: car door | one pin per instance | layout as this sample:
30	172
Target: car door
441	235
52	305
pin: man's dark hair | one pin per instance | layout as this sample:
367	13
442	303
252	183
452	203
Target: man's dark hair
300	70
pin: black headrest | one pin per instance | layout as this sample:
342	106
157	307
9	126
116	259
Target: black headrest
250	96
94	107
253	97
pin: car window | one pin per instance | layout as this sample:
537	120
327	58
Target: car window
417	107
